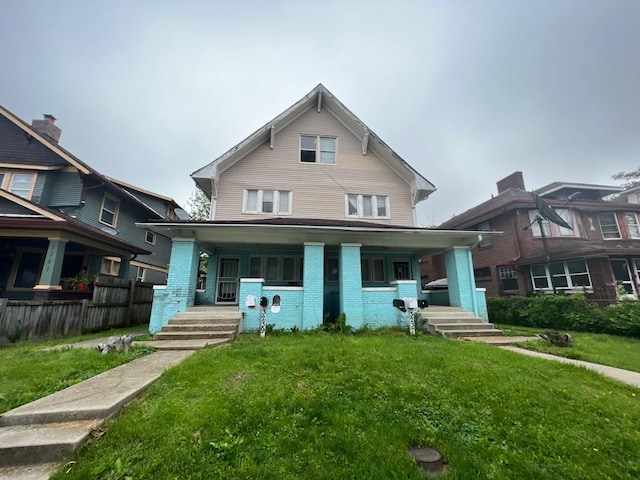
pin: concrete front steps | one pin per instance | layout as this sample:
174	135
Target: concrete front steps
212	325
452	322
36	436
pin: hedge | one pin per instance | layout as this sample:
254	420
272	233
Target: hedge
567	312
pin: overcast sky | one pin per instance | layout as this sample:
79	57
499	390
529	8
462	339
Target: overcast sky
466	91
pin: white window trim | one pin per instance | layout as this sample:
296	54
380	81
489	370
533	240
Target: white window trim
567	276
360	206
318	149
140	278
111	261
637	224
5	184
617	226
115	214
276	202
153	236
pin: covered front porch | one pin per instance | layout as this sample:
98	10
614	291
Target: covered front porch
310	274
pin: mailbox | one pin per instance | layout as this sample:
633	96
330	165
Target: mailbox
264	301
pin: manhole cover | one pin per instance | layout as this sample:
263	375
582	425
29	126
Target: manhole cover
429	459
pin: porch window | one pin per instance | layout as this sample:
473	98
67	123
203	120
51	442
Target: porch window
402	270
564	275
609	226
367	206
285	270
28	269
267	201
373	270
508	279
109	210
632	224
110	266
316	149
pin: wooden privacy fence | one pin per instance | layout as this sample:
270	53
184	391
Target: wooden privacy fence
115	303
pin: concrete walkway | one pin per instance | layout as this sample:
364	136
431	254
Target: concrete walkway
35	437
625	376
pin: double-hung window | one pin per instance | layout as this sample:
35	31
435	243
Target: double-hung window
110	266
317	149
562	275
373	270
367	206
20	184
508	279
632	224
276	202
609	225
109	210
284	270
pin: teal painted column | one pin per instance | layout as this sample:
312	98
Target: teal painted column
52	268
462	284
351	284
180	292
313	283
251	314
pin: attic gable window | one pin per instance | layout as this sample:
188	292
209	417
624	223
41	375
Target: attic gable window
367	206
316	149
277	202
109	210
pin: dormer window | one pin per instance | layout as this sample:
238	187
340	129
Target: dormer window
316	149
20	184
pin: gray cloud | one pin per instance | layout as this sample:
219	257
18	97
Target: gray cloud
465	91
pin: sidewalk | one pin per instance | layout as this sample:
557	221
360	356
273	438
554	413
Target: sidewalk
35	437
625	376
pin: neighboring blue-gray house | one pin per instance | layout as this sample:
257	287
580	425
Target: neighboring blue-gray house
316	211
59	217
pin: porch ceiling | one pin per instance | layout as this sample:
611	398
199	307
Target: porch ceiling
420	242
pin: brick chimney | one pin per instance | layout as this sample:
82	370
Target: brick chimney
515	180
47	128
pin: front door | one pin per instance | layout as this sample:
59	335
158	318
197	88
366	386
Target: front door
227	287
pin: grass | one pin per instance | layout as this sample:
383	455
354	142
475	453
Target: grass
29	371
615	351
318	406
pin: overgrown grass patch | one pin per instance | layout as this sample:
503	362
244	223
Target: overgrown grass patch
29	372
317	406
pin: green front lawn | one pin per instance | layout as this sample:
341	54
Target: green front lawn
28	371
317	406
615	351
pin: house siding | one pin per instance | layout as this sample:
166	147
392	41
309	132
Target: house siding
15	148
62	189
318	190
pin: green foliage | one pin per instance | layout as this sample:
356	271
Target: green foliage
199	206
28	372
630	179
338	326
566	312
317	406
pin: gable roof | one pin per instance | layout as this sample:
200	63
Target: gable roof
82	167
207	176
41	218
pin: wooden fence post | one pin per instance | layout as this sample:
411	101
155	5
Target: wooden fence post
3	307
83	315
132	291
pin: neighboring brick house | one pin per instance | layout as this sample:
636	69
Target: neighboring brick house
600	255
315	210
58	217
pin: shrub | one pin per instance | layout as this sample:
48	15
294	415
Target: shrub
566	312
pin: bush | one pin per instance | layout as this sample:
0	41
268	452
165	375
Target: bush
566	312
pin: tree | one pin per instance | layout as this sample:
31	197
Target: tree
631	179
199	205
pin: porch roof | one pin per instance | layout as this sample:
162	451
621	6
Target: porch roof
278	232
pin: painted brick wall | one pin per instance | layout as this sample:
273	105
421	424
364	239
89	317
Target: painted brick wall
313	281
351	284
378	309
181	285
462	288
157	309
